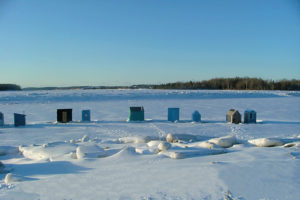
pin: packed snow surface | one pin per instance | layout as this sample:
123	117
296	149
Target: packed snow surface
111	158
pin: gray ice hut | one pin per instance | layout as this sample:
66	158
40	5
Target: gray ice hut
196	116
136	114
86	115
1	119
173	114
19	119
249	116
64	115
233	116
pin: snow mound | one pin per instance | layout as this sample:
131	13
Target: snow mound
192	152
266	142
89	150
180	137
85	138
225	142
292	144
205	144
164	146
51	151
11	178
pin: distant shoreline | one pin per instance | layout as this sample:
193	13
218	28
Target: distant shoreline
236	83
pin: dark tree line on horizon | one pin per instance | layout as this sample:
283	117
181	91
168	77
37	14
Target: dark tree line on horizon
7	87
236	83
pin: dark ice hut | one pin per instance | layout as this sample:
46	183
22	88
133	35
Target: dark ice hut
19	119
1	119
173	114
196	116
233	116
136	114
249	116
86	115
64	115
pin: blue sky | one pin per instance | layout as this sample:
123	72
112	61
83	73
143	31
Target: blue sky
124	42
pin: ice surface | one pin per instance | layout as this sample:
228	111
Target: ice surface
109	158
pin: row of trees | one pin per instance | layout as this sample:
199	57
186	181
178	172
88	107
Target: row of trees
237	83
6	87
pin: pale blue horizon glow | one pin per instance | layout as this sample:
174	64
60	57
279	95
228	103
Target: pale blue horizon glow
73	42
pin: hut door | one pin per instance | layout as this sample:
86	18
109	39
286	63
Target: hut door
64	116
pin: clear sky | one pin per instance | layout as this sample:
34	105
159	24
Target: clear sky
124	42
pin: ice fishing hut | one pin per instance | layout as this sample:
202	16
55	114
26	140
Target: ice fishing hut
249	116
1	119
64	115
196	116
19	119
136	114
233	116
173	114
86	115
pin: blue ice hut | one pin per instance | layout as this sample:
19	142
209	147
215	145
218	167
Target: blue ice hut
173	114
196	116
86	115
249	116
136	114
1	119
64	115
19	119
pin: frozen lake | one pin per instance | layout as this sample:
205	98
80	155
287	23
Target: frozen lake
123	160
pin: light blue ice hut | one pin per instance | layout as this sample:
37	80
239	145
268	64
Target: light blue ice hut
249	116
196	116
136	114
173	114
1	119
86	115
19	119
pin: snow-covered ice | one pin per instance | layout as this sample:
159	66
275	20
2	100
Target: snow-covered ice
111	158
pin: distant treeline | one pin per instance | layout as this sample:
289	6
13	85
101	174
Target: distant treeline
6	87
237	83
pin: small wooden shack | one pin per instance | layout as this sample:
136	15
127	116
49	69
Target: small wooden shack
233	116
86	115
173	114
1	119
64	115
19	119
196	116
249	116
136	114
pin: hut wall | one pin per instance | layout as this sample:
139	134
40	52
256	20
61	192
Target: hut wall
64	115
19	119
136	114
173	114
86	115
1	119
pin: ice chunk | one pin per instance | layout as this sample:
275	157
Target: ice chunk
134	140
85	138
225	142
266	142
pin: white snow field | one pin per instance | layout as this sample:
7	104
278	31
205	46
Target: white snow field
110	158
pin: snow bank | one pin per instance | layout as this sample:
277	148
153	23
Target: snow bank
266	142
204	144
225	142
164	146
